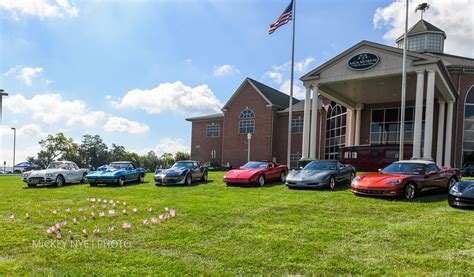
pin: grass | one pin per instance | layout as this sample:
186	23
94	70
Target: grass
223	230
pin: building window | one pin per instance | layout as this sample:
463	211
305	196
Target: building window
294	159
247	121
297	125
434	43
385	126
417	43
212	130
335	131
468	140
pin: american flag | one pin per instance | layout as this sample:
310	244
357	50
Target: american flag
149	209
173	212
12	217
68	210
59	235
284	18
27	215
84	232
146	222
124	211
135	210
101	214
111	229
111	212
154	220
74	220
126	225
96	231
79	209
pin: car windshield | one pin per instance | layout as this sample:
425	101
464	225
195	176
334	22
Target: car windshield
58	166
405	168
320	165
118	166
256	165
183	164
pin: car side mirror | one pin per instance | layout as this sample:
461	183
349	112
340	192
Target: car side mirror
432	172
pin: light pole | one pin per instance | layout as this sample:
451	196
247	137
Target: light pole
249	138
14	147
2	93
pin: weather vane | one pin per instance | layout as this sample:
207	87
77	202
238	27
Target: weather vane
422	7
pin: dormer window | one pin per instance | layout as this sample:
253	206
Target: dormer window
424	37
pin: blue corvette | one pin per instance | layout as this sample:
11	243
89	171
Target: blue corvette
117	173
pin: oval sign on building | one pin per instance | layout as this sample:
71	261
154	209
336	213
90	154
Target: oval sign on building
363	61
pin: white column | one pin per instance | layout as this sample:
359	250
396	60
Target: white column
306	126
350	127
314	124
440	142
430	89
359	108
449	134
420	79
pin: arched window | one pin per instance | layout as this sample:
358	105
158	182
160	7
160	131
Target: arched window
468	140
247	121
335	130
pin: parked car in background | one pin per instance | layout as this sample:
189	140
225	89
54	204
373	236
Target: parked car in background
468	170
257	173
321	173
181	173
461	195
406	179
117	173
58	173
370	158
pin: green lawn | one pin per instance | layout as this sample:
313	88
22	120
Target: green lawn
223	230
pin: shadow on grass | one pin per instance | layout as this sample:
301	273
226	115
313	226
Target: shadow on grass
248	186
53	186
193	184
339	187
112	185
430	196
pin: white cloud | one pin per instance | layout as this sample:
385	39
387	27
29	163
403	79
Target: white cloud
168	145
52	109
452	16
174	97
26	74
116	124
298	91
225	70
303	66
40	8
276	77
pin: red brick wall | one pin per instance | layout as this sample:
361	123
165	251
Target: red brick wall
201	145
235	144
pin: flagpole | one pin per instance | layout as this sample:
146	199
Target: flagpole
404	87
290	108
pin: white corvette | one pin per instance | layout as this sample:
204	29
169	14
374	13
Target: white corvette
58	173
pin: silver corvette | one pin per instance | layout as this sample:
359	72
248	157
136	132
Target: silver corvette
321	173
58	173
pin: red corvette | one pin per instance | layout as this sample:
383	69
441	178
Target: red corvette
257	173
405	179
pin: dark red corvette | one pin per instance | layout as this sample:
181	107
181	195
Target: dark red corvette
257	173
406	179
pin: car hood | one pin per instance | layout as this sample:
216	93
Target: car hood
309	174
467	189
174	171
242	172
379	179
42	173
105	172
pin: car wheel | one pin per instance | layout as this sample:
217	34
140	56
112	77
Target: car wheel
59	181
451	182
121	181
83	180
189	180
332	183
261	180
31	185
410	191
283	176
141	178
204	177
93	184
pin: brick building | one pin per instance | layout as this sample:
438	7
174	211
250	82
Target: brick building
358	106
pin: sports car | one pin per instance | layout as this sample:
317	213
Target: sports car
182	172
117	173
58	173
405	179
257	173
461	195
318	174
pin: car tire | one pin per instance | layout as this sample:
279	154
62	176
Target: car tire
332	183
451	182
93	184
261	180
189	180
121	181
204	177
409	192
141	178
59	181
283	177
83	180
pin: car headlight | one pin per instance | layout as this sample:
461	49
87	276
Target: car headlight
393	182
49	175
454	190
26	174
356	179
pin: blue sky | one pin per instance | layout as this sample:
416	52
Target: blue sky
92	66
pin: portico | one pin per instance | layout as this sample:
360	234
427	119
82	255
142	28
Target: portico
366	79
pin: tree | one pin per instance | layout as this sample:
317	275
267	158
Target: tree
93	152
150	161
167	160
56	147
117	153
180	156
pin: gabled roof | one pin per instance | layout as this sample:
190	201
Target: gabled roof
453	60
272	96
422	26
206	117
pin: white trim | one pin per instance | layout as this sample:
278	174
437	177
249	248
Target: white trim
441	131
429	110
